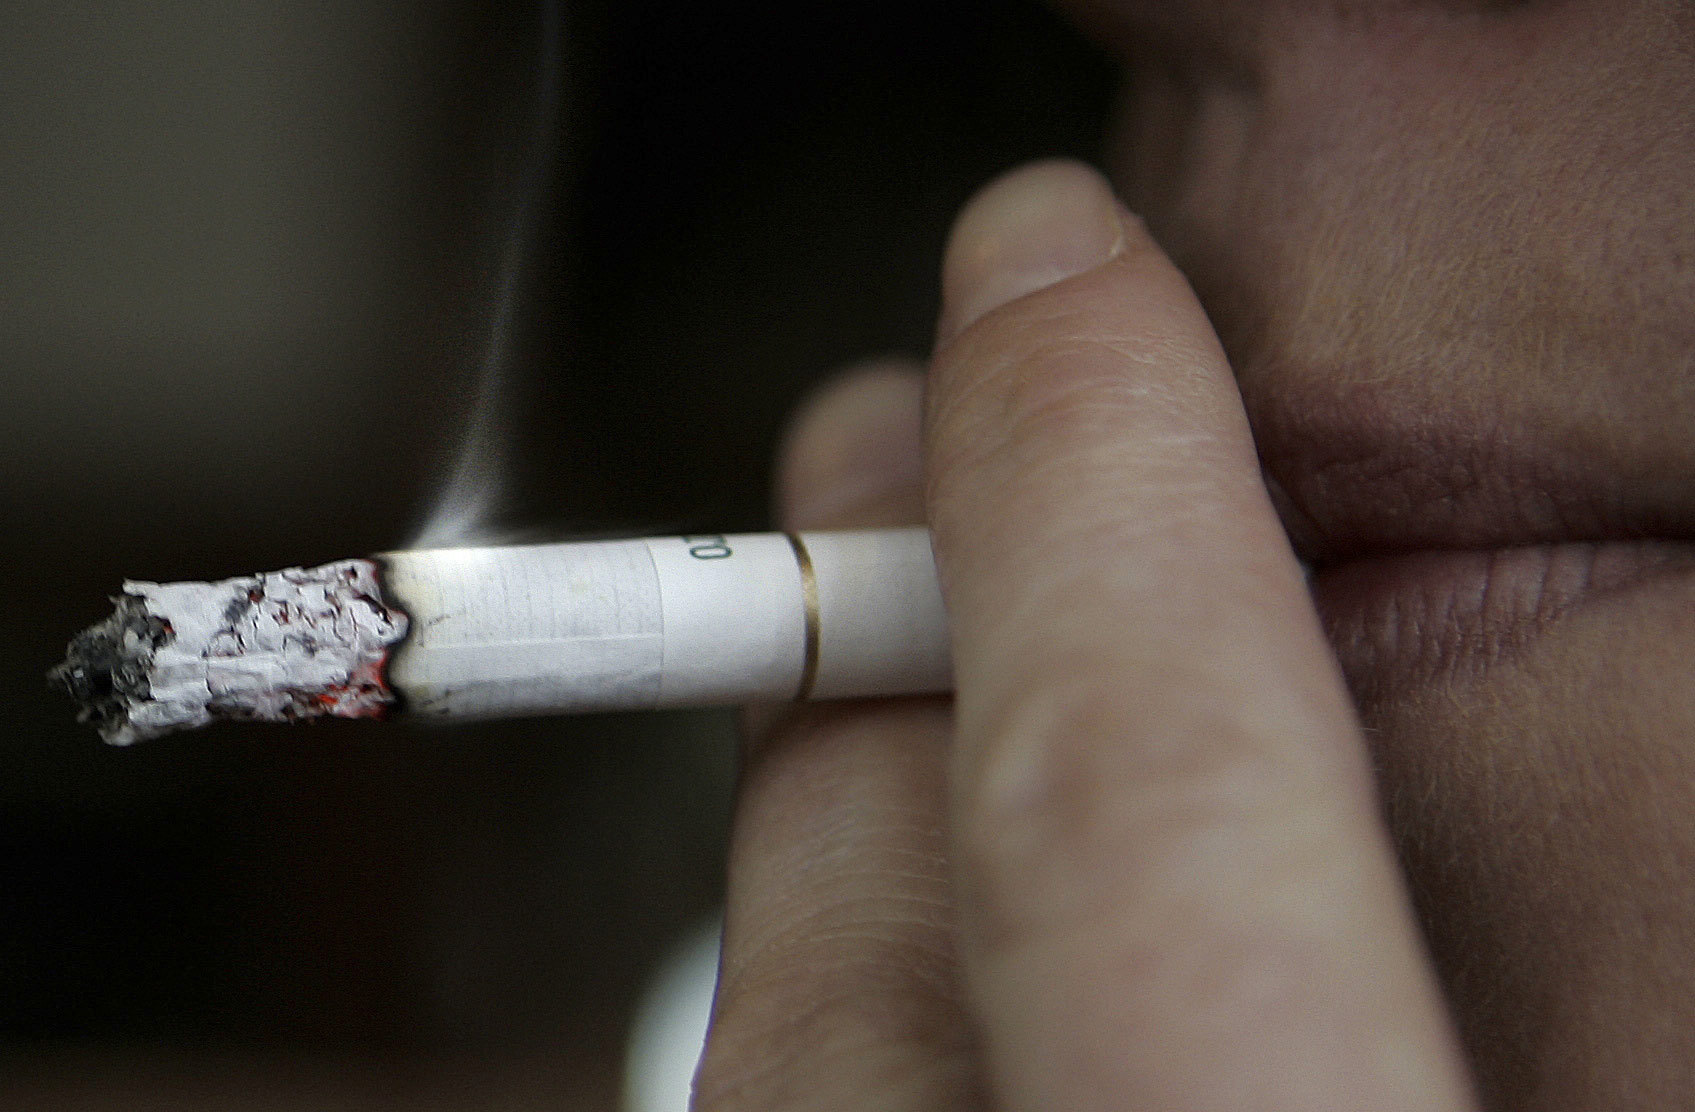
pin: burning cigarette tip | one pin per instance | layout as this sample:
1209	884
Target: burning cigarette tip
105	668
278	646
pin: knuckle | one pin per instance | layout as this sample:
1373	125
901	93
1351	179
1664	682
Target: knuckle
1024	787
1071	805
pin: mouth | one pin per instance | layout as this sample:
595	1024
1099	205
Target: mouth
1437	551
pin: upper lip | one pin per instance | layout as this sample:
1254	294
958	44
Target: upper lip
1354	478
1431	431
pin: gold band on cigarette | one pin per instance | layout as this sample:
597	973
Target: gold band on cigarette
809	596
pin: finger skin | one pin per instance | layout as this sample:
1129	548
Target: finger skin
852	455
838	987
1175	889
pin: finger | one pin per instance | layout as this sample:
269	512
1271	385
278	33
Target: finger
837	986
1175	890
853	456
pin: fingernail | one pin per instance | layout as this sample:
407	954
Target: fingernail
1025	231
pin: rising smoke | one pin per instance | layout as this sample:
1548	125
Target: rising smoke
462	510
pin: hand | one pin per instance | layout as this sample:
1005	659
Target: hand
1138	862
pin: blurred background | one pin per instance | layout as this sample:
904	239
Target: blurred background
250	264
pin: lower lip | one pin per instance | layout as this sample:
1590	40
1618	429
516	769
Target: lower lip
1419	617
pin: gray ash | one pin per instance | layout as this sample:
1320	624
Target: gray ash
277	647
106	665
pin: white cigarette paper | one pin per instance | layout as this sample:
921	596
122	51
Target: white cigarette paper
664	622
536	629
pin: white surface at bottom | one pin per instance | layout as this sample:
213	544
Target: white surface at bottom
669	1031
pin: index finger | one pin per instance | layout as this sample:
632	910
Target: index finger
1175	888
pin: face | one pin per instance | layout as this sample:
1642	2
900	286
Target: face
1450	248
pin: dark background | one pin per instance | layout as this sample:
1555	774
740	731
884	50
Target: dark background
247	257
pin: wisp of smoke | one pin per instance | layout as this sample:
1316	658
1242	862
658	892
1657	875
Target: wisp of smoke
461	511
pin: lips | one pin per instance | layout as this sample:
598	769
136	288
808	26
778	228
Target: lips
1440	545
1416	619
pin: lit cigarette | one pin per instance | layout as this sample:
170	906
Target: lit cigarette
467	633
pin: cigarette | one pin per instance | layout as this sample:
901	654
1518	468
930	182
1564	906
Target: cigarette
497	632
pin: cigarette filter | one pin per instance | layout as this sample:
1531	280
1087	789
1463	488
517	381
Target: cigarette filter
466	633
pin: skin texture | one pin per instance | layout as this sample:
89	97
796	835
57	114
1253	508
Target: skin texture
1197	832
